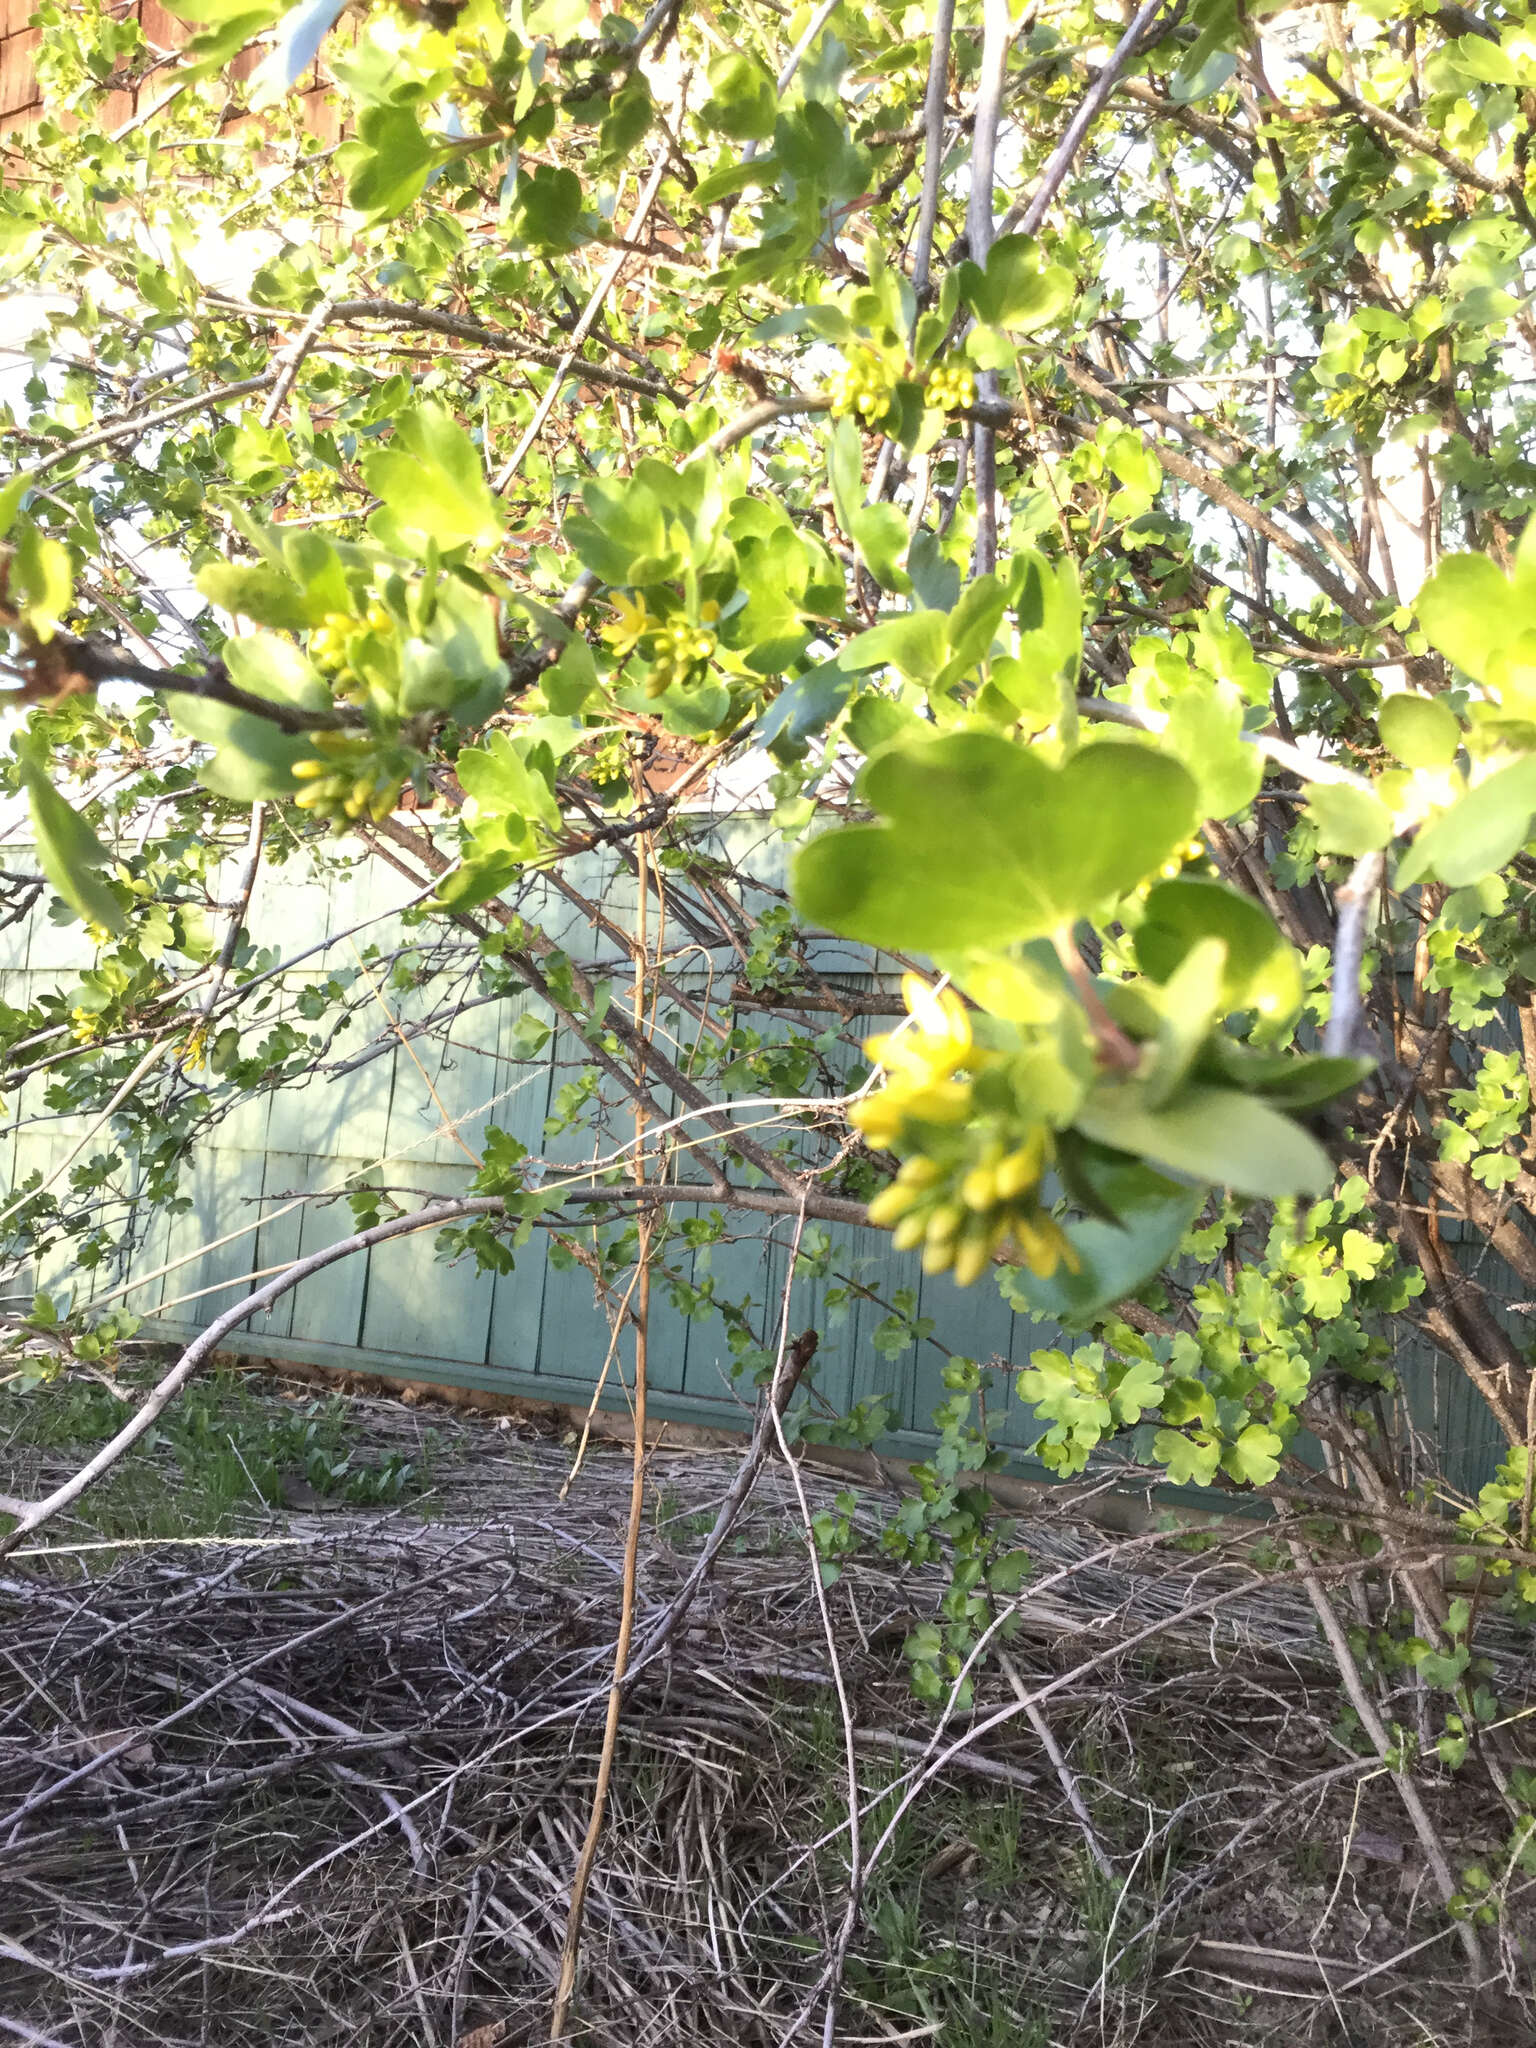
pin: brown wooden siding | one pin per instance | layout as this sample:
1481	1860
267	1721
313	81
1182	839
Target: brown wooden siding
21	101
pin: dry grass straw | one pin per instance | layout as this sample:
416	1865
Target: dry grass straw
328	1783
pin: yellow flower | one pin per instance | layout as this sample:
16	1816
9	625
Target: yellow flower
1045	1245
910	1098
937	1041
879	1118
634	622
937	1102
892	1203
937	1011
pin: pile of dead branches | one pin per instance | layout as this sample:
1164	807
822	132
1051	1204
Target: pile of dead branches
329	1782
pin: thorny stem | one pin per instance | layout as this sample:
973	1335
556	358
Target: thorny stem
582	329
1052	177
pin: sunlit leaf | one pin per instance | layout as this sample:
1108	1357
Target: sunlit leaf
68	850
984	842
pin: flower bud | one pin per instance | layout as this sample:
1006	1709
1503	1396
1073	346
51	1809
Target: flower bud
972	1258
920	1172
909	1233
891	1204
944	1223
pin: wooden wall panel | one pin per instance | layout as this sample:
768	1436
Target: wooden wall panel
21	101
18	87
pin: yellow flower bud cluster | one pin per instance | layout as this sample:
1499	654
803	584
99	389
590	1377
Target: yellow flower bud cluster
969	1188
951	386
351	777
680	648
862	386
632	621
84	1025
923	1060
1181	857
332	641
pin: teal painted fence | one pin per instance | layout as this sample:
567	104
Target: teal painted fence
406	1114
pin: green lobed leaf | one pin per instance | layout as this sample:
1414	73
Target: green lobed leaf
1254	1457
743	99
571	680
985	842
499	783
1013	291
1191	1005
42	580
879	532
1287	1080
252	758
67	849
269	667
731	176
11	496
1216	1135
1465	609
476	881
1421	731
845	470
974	621
914	643
390	163
1262	970
1191	1460
551	207
1348	820
251	590
1205	732
1479	833
1115	1259
433	487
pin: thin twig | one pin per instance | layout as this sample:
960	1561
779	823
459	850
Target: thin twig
570	1955
787	1374
1030	217
291	359
831	1976
209	1340
1065	1775
1371	1722
581	330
